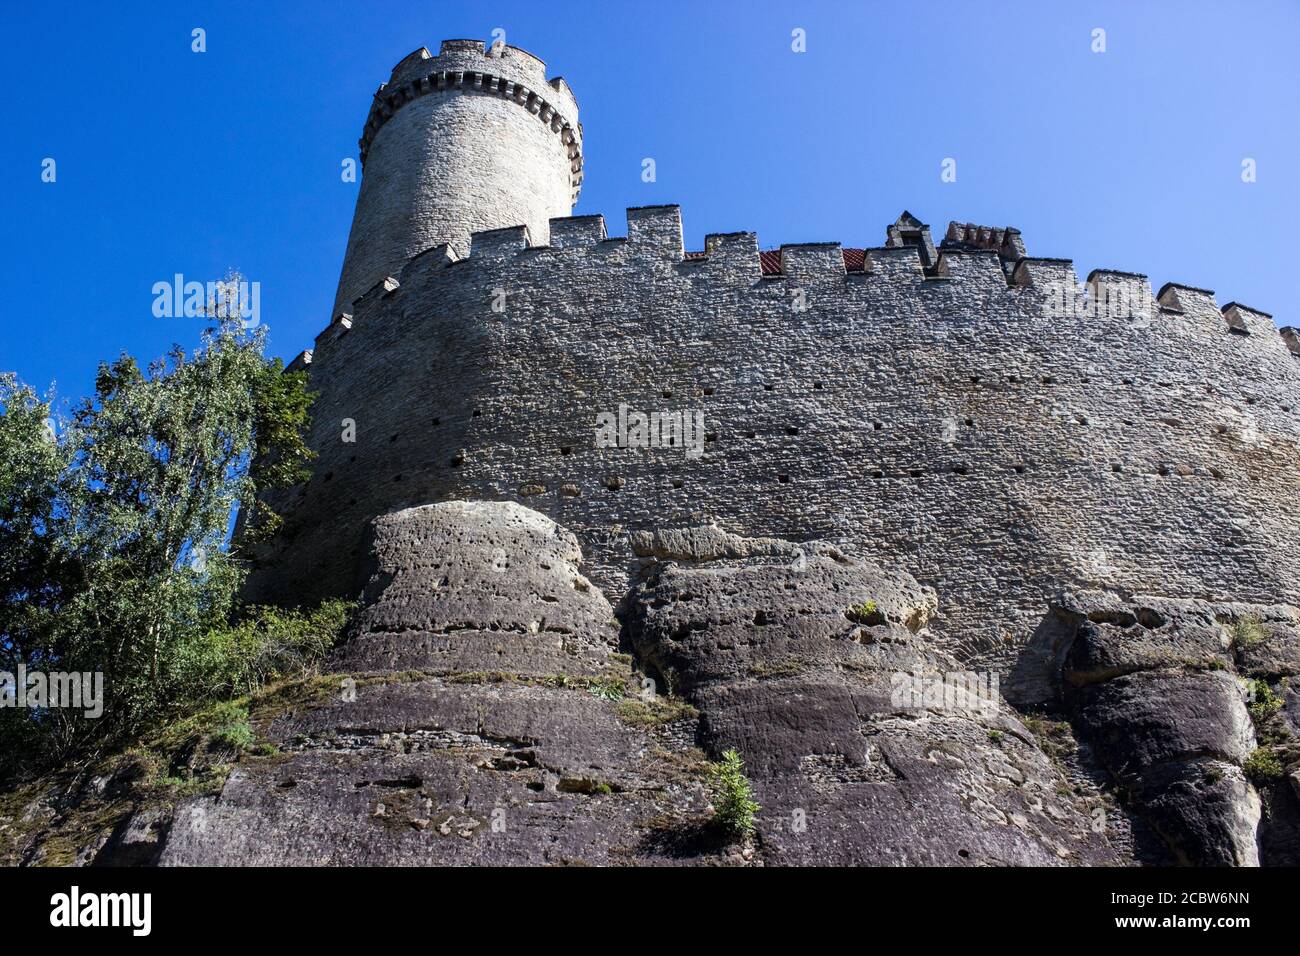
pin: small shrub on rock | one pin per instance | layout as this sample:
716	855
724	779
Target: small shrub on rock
733	797
1262	766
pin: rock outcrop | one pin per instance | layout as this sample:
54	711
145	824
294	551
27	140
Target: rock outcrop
484	718
866	745
1171	697
489	706
495	722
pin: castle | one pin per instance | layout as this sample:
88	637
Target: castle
947	404
968	563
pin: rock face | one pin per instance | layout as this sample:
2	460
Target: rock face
1158	689
490	706
488	718
817	670
470	586
477	725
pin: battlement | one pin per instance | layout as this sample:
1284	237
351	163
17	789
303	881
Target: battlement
466	66
1244	320
1005	241
1291	336
971	257
510	62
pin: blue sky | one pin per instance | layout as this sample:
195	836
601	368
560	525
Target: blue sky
173	161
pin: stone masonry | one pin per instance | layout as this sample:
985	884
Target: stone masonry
458	142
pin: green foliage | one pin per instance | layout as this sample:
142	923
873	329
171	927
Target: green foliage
37	568
865	613
1263	766
267	644
1264	703
118	553
733	797
1055	737
609	689
1248	632
231	731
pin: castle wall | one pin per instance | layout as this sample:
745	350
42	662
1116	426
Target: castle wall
999	451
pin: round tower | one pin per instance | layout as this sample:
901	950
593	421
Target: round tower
468	140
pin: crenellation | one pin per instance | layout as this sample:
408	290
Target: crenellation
497	243
1117	293
1183	298
1113	276
888	272
380	289
1244	319
339	326
561	86
452	47
1291	336
574	231
737	252
1046	274
657	227
468	57
435	257
972	266
812	261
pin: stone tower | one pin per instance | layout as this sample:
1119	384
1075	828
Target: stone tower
468	140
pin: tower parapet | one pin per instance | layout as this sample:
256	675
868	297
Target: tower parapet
466	141
1005	242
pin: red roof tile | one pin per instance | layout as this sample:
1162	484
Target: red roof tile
770	260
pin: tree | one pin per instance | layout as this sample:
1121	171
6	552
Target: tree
120	525
36	567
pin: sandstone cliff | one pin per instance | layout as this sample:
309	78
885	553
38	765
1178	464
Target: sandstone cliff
490	706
